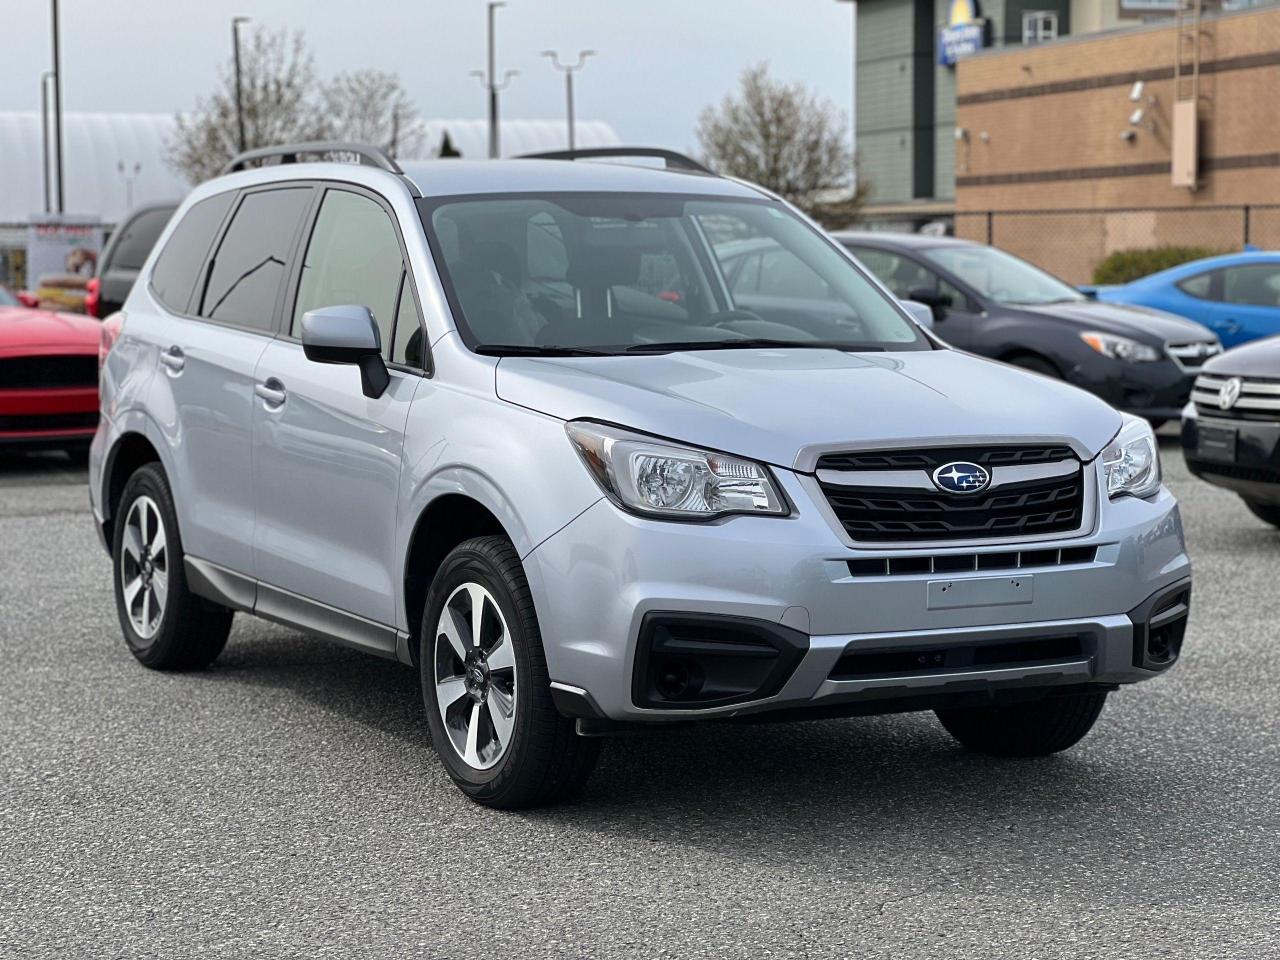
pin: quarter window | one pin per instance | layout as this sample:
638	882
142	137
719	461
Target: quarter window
1201	285
174	275
250	265
408	334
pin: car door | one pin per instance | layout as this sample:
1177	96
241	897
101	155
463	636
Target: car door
203	394
955	313
327	458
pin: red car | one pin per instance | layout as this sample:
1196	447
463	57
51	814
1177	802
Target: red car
48	378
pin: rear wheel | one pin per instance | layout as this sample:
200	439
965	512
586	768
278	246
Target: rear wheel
1034	729
485	685
1266	512
166	626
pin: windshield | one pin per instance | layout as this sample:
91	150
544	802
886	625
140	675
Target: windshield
613	273
1002	277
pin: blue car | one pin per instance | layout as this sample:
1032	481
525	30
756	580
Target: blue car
1236	295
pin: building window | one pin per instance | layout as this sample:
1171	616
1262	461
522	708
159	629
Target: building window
1039	26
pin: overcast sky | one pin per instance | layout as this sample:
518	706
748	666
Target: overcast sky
659	63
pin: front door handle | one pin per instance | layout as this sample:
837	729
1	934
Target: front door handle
271	393
174	359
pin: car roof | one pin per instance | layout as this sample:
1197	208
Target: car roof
913	241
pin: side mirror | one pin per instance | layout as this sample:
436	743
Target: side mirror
921	313
347	334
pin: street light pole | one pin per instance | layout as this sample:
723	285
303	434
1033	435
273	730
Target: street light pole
853	103
128	181
57	106
235	46
489	80
569	70
44	135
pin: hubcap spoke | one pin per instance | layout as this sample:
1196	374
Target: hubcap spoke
131	592
502	713
160	588
157	541
477	594
452	628
132	545
471	752
501	656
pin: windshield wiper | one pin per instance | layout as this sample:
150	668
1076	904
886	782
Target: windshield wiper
528	350
750	343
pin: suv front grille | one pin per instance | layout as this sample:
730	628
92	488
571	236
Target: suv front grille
1190	357
890	496
39	373
1258	399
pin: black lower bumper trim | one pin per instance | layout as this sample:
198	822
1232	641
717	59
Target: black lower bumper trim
1159	626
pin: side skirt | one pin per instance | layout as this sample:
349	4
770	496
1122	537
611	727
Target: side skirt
235	590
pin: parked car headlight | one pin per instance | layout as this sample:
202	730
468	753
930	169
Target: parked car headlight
661	479
1132	460
1120	348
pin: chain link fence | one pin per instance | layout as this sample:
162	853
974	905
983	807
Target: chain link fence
1071	243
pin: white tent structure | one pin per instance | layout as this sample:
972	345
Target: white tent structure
95	145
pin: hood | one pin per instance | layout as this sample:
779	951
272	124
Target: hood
769	404
43	331
1261	358
1144	324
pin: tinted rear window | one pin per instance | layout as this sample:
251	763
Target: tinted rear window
252	260
136	239
179	263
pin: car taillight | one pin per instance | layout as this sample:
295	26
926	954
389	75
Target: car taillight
92	296
110	332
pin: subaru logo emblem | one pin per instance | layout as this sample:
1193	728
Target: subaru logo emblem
961	477
1229	393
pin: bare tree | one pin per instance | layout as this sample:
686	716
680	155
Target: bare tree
783	138
370	106
278	82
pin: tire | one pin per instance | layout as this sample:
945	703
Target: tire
1034	729
533	756
1266	512
188	632
1029	361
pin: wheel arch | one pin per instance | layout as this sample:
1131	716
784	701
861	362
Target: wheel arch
1012	354
132	450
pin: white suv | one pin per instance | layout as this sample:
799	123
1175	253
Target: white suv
512	424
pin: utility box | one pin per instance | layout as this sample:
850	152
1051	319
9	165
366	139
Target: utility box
1186	147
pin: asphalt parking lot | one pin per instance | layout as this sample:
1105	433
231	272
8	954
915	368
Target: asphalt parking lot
285	802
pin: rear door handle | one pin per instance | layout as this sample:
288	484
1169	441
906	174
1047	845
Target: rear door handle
271	393
174	359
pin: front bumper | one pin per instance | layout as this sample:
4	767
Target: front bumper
1156	391
595	582
48	417
1241	455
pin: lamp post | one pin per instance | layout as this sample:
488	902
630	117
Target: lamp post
569	70
44	136
491	84
853	103
57	106
128	175
235	47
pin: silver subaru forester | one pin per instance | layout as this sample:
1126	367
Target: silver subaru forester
595	445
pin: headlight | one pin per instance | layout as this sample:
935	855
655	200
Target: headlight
1120	348
1132	460
660	479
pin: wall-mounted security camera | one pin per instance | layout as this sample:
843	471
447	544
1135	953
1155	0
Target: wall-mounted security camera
1128	136
1135	92
962	133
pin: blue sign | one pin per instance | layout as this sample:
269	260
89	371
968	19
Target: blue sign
964	34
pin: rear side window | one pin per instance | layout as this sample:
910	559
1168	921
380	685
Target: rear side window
174	275
1256	285
252	260
136	239
1201	285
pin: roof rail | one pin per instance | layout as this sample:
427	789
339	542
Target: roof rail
675	161
365	154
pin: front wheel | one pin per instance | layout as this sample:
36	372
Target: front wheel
1034	729
485	685
1266	512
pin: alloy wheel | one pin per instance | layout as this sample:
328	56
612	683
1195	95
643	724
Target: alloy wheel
144	567
475	676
